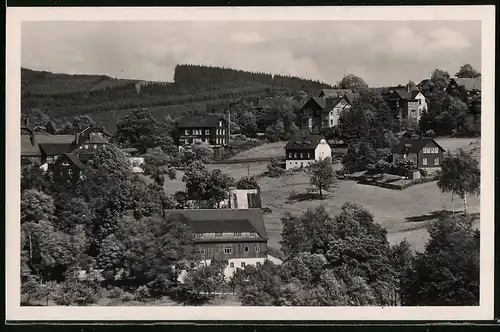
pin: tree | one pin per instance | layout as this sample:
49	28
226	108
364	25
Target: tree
275	169
218	186
352	82
203	151
383	166
322	175
138	129
247	183
467	71
447	273
82	122
203	282
36	206
368	157
460	175
439	79
33	177
50	127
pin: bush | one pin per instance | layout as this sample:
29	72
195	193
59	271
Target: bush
423	172
275	169
127	297
115	293
76	293
267	210
160	286
142	293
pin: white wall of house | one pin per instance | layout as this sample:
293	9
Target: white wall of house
422	104
334	114
232	265
322	151
238	197
289	164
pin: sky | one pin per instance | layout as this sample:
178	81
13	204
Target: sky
381	52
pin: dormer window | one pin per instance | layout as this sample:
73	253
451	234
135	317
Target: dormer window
220	123
65	163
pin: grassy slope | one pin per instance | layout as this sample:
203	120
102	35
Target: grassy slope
405	214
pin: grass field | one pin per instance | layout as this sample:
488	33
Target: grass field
404	214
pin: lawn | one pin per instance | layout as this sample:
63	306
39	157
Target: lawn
404	214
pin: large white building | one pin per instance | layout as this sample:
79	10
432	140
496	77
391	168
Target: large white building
236	235
302	152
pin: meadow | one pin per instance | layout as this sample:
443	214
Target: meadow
404	214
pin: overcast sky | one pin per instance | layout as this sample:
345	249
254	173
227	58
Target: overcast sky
381	52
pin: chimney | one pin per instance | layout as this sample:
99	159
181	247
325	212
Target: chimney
77	136
33	137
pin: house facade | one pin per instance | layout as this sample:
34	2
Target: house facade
239	236
324	111
210	129
403	105
465	88
302	152
426	153
46	150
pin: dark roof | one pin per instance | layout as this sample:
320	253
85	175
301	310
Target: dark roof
414	93
223	220
199	121
352	96
75	160
95	139
403	94
306	143
470	84
317	100
28	149
413	145
55	149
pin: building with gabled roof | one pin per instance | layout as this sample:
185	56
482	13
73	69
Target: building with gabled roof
304	151
424	152
211	129
236	235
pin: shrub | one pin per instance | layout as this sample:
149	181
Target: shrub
115	293
423	172
76	293
275	169
127	297
160	286
267	210
142	293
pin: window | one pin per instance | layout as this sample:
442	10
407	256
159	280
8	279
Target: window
223	131
243	264
436	161
220	123
420	101
65	163
435	150
231	265
207	131
237	234
228	251
257	264
216	249
218	234
186	132
301	155
246	249
198	235
252	234
86	147
95	146
309	154
201	250
252	200
257	249
424	161
289	155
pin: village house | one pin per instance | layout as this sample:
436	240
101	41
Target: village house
324	111
406	104
211	129
46	149
302	152
239	236
465	88
426	153
242	199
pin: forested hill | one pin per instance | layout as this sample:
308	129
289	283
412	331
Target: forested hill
59	97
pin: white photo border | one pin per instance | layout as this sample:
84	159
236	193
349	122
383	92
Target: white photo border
15	16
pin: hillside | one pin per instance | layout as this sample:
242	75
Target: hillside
59	97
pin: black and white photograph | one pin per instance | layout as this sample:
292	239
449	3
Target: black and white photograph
282	163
